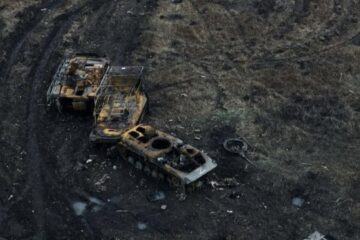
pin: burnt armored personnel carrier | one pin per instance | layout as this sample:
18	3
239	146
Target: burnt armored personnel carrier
120	103
75	82
164	156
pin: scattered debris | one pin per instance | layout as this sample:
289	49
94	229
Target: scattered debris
224	183
155	196
130	13
79	166
180	127
111	152
316	236
96	201
172	17
99	184
142	182
238	146
356	40
235	195
231	182
176	1
181	196
122	211
94	204
214	184
103	179
79	208
141	226
297	202
322	38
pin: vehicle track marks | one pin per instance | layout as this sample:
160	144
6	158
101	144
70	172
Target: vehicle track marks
34	157
17	46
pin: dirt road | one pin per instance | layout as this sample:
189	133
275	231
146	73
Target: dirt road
283	74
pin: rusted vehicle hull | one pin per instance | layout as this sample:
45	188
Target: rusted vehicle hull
164	156
120	103
75	82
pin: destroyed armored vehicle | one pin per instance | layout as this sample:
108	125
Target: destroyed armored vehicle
163	156
120	103
75	82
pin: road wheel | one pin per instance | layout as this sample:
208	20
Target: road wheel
174	182
161	176
138	165
154	173
147	170
131	160
196	185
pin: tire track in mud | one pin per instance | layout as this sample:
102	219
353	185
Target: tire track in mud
7	66
34	157
26	28
58	188
13	46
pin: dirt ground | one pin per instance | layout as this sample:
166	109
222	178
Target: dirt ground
283	74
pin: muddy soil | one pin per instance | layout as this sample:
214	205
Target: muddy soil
282	74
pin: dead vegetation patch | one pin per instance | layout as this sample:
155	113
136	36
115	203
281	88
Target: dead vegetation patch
325	114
